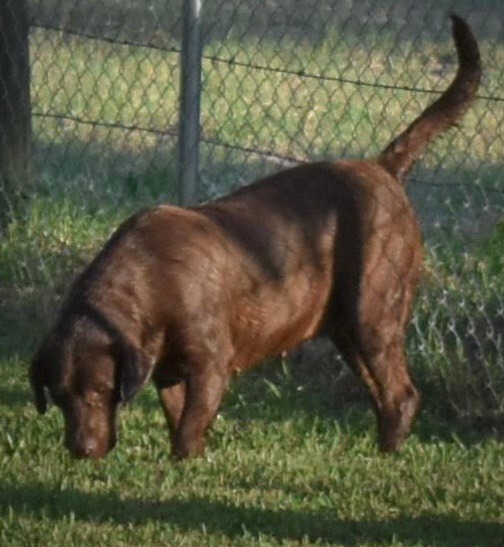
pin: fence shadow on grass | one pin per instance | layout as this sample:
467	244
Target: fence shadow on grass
37	501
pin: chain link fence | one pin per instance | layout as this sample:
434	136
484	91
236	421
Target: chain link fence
282	83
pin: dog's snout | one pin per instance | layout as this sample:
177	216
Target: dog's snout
90	448
86	448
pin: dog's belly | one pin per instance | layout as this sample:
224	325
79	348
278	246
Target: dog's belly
279	318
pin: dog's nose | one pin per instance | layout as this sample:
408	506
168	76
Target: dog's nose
89	448
86	449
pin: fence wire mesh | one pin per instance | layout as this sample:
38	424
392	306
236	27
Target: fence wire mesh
283	83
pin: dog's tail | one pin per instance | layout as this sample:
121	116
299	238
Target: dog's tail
400	155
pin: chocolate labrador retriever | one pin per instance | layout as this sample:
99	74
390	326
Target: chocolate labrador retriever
188	296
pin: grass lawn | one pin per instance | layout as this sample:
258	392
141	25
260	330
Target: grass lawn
284	467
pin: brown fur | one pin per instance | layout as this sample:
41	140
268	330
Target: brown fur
190	296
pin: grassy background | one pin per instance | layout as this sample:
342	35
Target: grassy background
292	457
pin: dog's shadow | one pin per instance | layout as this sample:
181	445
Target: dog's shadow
191	514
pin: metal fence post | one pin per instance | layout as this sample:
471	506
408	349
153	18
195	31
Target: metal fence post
190	92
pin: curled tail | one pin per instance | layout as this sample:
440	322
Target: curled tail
402	152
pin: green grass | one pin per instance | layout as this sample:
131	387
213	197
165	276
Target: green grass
282	467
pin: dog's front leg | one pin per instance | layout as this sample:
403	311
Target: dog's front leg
172	399
204	392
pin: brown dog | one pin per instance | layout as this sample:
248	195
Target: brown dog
189	296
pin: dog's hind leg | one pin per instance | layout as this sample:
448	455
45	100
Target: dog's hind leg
396	398
385	374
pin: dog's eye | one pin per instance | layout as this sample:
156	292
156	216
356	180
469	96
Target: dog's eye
103	391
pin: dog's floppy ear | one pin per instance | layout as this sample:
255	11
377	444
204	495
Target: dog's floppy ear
37	376
135	370
44	363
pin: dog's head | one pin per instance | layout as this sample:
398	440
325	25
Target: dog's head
88	370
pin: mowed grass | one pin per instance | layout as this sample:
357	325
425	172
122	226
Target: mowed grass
292	459
283	468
